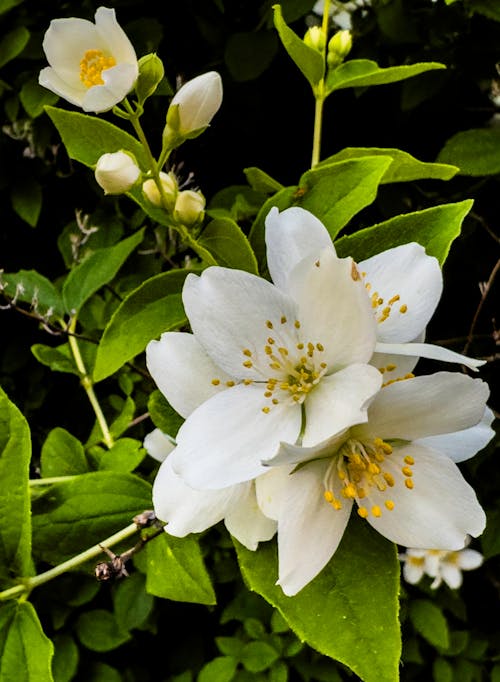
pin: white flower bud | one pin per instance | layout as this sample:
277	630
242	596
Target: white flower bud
189	207
314	38
170	190
117	172
339	46
195	104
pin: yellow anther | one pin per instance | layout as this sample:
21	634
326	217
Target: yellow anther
268	350
248	364
229	384
373	468
275	401
296	324
266	410
354	272
375	299
283	351
363	512
283	319
300	346
247	382
391	368
271	341
320	347
407	471
409	483
215	382
269	324
381	370
328	495
386	312
368	286
349	491
376	511
389	479
323	365
403	308
409	460
274	365
361	493
393	300
247	352
389	504
268	394
93	63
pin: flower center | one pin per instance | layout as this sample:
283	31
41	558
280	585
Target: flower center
93	63
363	468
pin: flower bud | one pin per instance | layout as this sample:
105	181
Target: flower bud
339	46
151	72
315	38
117	172
194	105
189	207
170	190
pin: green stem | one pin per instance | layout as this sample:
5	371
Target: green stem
49	480
87	384
95	551
320	93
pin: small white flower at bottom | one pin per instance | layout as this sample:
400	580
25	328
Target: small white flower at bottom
443	566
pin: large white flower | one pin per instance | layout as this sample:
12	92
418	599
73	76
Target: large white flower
404	286
284	365
410	493
91	65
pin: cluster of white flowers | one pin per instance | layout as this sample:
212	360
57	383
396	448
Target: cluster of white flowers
300	402
442	565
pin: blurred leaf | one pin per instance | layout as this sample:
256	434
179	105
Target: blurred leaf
25	651
26	198
429	621
148	311
342	613
98	269
30	286
75	514
101	672
434	228
99	630
15	530
221	669
364	72
163	414
489	8
230	646
258	656
65	661
132	604
295	9
309	60
476	152
14	42
34	98
248	55
261	181
62	455
224	239
6	5
404	167
175	570
442	670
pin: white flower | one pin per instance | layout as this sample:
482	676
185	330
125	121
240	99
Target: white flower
283	364
189	207
410	493
196	102
158	444
91	65
403	283
439	564
341	12
116	172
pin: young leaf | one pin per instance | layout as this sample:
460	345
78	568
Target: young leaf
65	661
309	60
35	98
62	455
59	359
364	72
260	181
434	228
224	239
25	651
13	44
97	270
125	455
350	611
132	604
27	200
175	570
404	167
75	514
429	621
220	669
258	656
151	309
99	630
15	530
86	138
32	287
476	152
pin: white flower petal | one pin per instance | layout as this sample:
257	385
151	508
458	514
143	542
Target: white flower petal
158	444
469	559
246	522
289	454
118	82
186	510
65	42
225	439
408	272
412	572
462	445
334	309
48	78
309	529
427	350
112	35
439	512
292	235
229	311
271	490
451	575
426	406
183	371
339	401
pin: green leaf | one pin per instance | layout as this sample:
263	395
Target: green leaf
495	673
335	192
30	286
86	138
442	670
98	269
224	239
404	167
59	359
350	611
75	514
434	228
283	199
248	54
34	98
132	604
13	43
6	5
151	309
101	672
260	181
15	531
175	570
309	60
99	630
365	72
65	661
258	656
476	152
163	414
62	455
230	646
429	621
25	651
125	455
26	197
488	8
221	669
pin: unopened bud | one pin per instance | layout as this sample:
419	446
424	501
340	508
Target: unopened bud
189	207
193	106
117	172
170	189
339	46
151	72
315	38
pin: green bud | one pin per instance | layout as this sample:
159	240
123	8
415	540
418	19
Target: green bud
315	38
151	72
170	190
339	46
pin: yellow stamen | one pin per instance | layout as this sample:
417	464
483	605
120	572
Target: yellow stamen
389	505
215	382
363	512
93	63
